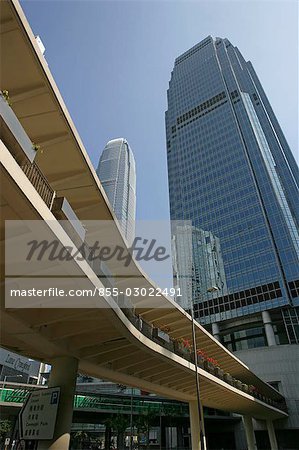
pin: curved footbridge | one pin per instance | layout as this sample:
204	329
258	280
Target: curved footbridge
141	345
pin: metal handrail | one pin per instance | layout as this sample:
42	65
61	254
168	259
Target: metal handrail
40	182
147	330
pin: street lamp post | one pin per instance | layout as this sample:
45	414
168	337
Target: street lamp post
160	420
203	442
131	421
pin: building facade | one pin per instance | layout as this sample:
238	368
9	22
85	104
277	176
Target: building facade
202	276
117	173
232	174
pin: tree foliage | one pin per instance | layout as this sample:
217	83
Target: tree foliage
5	428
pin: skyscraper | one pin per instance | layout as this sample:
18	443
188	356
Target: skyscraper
232	174
116	170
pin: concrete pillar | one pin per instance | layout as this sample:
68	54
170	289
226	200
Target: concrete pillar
216	331
268	328
272	436
42	369
194	425
63	374
250	436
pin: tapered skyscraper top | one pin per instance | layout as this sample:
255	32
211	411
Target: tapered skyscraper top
117	173
231	173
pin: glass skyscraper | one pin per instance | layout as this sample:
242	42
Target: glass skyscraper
233	177
117	173
232	173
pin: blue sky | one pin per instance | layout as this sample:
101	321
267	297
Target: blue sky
112	63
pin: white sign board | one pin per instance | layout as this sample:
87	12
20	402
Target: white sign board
38	415
15	361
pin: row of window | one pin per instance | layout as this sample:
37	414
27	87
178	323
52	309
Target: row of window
234	94
244	339
194	111
192	51
254	295
294	287
250	335
202	114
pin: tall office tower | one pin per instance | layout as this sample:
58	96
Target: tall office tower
117	173
231	172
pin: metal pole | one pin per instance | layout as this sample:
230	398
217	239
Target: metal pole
170	432
131	421
200	414
160	429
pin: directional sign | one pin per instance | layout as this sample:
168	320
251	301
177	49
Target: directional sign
38	416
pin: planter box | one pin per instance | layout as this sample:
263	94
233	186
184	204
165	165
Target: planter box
238	384
209	367
228	378
219	373
178	348
245	388
147	330
168	345
200	362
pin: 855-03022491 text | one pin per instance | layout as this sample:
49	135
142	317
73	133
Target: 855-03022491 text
97	292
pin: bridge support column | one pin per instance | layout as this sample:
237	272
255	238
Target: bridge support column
63	374
250	436
194	425
272	436
42	369
268	328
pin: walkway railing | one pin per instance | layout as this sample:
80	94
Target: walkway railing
178	348
40	183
